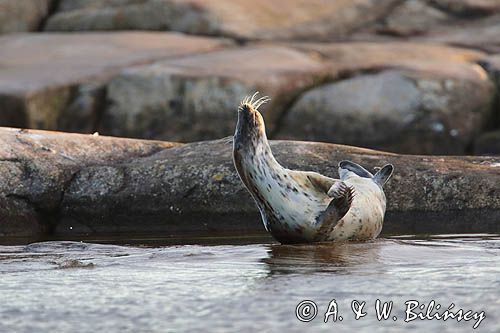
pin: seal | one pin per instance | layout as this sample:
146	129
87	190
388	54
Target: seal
305	206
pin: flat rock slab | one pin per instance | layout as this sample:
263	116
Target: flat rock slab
29	62
479	34
365	56
243	19
73	186
39	72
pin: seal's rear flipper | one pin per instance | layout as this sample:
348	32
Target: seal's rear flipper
383	175
342	195
354	167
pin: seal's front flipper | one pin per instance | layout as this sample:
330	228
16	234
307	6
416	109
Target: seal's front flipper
342	195
313	179
348	166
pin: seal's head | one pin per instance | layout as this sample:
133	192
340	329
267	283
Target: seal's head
250	127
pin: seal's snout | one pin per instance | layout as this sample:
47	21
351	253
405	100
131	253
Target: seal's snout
249	118
246	112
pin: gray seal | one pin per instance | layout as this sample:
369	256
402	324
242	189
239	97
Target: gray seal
305	206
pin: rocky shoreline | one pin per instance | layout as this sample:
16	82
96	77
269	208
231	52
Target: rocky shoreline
418	77
413	77
73	186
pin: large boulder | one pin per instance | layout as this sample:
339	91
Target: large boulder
242	19
36	167
434	102
413	17
74	186
56	81
23	15
196	97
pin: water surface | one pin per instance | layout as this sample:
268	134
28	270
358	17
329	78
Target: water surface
83	287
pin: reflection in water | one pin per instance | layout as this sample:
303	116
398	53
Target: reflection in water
326	257
83	287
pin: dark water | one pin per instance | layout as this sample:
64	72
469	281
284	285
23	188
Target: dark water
82	287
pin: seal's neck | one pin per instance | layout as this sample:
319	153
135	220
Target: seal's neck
254	148
251	150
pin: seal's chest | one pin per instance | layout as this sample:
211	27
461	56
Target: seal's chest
288	200
365	217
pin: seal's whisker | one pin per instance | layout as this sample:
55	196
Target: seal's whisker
250	101
253	97
261	101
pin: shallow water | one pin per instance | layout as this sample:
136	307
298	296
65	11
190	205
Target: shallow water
82	287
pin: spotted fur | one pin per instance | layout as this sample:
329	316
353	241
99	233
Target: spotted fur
304	206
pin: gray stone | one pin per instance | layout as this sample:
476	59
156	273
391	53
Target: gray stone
37	167
400	111
413	17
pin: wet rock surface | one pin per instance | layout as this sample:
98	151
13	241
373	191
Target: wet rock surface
73	186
